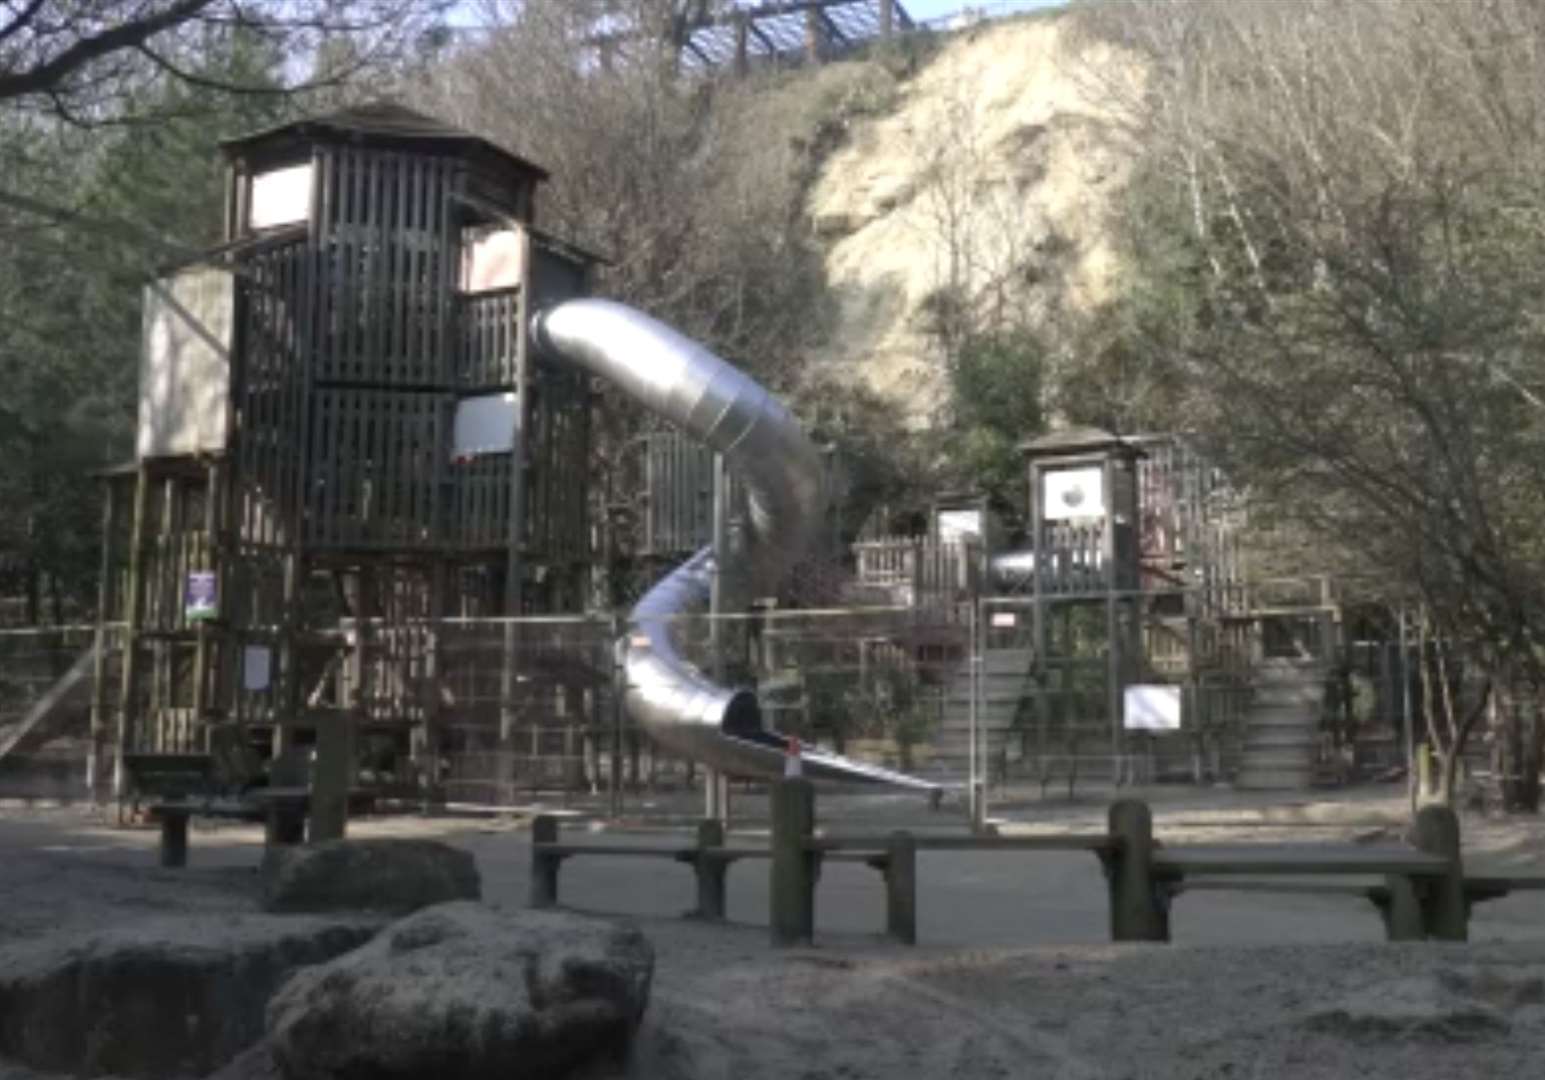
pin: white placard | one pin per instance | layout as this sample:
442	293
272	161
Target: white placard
1073	493
280	196
483	425
960	525
256	667
1151	707
1004	619
492	262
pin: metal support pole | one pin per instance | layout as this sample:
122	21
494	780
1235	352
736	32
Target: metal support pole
713	780
973	775
1405	713
619	691
710	871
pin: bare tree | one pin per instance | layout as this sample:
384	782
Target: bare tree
89	61
1337	227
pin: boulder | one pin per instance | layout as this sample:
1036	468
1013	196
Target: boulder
161	997
394	876
462	992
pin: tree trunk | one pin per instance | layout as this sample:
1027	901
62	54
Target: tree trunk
1520	741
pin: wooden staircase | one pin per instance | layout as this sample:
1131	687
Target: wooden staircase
1281	727
1005	676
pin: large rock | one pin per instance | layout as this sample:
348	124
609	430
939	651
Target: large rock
396	876
162	997
461	992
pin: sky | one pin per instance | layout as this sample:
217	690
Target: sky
923	10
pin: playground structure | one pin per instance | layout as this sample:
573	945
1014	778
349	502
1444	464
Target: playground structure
353	453
360	505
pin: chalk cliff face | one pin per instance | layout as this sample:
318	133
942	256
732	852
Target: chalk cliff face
990	180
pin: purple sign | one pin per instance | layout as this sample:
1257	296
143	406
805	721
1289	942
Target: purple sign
200	601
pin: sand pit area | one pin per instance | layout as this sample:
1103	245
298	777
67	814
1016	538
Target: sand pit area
1015	976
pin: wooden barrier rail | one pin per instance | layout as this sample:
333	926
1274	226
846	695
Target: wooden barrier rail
1423	893
710	859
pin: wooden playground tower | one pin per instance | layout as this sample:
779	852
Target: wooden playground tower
345	436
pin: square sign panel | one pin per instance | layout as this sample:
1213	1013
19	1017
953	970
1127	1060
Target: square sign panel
1073	493
1151	707
958	525
483	425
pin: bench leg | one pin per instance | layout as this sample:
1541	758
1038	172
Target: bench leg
1403	919
174	838
544	865
901	888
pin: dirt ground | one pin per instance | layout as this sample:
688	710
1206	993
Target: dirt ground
1015	976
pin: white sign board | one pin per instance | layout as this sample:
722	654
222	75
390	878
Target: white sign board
960	525
185	368
256	667
1073	493
483	425
280	197
492	261
1151	707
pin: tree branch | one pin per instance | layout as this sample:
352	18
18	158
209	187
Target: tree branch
25	16
48	74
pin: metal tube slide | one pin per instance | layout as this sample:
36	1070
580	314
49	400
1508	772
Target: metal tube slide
684	383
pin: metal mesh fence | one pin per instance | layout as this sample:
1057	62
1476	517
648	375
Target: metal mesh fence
45	674
500	712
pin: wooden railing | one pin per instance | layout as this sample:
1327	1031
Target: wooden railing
919	566
1424	892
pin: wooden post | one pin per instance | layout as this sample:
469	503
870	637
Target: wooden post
815	36
331	775
128	693
711	871
793	867
742	43
1136	913
1444	911
174	837
901	888
544	865
202	646
96	751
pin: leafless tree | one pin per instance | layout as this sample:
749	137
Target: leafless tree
89	61
1337	234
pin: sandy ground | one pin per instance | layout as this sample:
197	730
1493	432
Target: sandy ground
1015	976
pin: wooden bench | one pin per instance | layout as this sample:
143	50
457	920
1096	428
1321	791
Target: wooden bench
283	811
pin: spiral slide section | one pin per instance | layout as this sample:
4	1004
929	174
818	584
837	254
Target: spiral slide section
684	383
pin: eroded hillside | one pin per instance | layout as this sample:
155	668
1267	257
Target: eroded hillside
988	181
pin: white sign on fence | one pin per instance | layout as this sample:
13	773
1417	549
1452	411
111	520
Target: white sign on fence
1151	707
